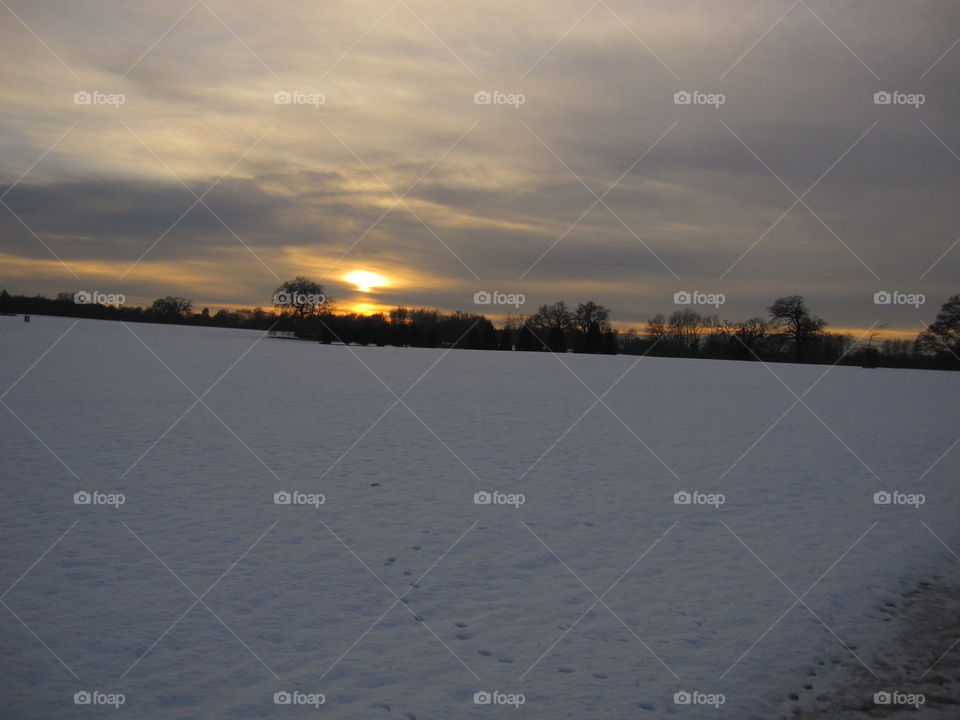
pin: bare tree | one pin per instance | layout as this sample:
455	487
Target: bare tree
657	327
593	321
591	315
791	316
304	296
685	328
170	308
553	321
747	335
942	337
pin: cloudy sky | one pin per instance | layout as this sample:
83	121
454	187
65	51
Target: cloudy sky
143	150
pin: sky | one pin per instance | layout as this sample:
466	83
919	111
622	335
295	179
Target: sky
213	149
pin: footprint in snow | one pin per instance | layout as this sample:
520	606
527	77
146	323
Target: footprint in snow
460	624
408	572
646	706
464	636
565	669
505	660
417	547
381	705
600	676
485	653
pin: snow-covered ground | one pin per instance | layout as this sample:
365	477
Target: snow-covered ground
399	596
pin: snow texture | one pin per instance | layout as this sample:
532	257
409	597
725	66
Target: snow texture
399	596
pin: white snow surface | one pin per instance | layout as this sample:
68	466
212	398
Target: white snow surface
492	597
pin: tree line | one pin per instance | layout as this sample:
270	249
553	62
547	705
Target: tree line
789	332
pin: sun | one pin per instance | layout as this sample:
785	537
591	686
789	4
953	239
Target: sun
365	280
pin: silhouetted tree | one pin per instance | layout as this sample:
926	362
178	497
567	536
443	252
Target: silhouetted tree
747	336
400	326
304	297
942	337
684	330
795	322
593	321
170	309
657	332
529	340
488	335
551	323
610	344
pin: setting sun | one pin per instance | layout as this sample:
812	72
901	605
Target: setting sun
365	280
